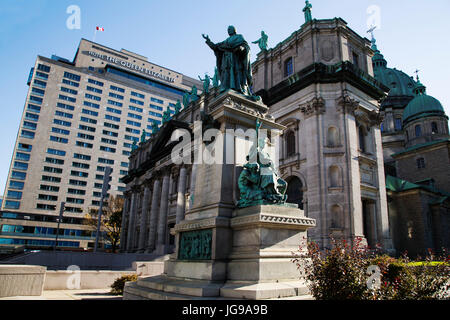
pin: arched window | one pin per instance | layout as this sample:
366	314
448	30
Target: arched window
418	130
288	67
434	128
336	217
332	137
295	191
362	138
290	143
335	176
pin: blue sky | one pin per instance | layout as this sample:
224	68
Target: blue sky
413	34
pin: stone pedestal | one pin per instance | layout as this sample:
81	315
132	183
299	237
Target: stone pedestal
222	251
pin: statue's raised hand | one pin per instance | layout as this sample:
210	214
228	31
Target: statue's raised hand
206	37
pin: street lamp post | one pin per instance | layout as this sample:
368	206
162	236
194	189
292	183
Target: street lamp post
61	211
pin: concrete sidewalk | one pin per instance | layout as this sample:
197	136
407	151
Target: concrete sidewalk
88	294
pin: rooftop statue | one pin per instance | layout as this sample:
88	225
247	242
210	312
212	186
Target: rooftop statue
186	98
166	116
262	42
233	62
206	83
259	183
307	11
178	107
154	127
194	95
143	136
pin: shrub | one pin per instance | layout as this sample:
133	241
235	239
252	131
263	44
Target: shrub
342	273
119	283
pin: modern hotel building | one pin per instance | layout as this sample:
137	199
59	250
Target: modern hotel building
80	117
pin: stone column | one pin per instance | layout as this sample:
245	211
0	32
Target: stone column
143	222
192	186
153	216
123	232
131	217
181	195
162	222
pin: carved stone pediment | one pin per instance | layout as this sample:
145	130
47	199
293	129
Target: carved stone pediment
315	106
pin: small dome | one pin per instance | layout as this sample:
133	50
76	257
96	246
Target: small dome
422	105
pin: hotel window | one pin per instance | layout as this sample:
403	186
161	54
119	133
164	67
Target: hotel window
97	83
126	153
20	165
72	76
29	125
14	195
116	96
84	144
22	156
110	117
36	99
27	134
34	108
51	179
56	152
92	97
133	108
46	207
135	116
138	95
88	120
63	114
86	128
96	90
16	185
25	147
71	91
76	191
131	130
111	125
115	103
80	165
133	123
38	91
71	83
61	131
53	170
156	107
41	75
127	145
82	156
110	133
43	68
31	116
107	149
65	106
40	83
141	103
66	98
12	205
117	89
54	161
90	112
79	174
131	138
62	123
49	188
109	141
58	139
75	200
18	175
106	161
91	104
288	67
109	109
156	100
77	183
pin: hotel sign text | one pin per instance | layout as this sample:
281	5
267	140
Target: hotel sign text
130	66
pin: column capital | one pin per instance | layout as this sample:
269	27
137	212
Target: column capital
347	104
315	106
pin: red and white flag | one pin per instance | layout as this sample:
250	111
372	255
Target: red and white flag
100	29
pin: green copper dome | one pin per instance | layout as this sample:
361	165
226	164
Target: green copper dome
422	105
399	82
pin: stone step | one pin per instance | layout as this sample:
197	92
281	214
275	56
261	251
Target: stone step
133	291
183	287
